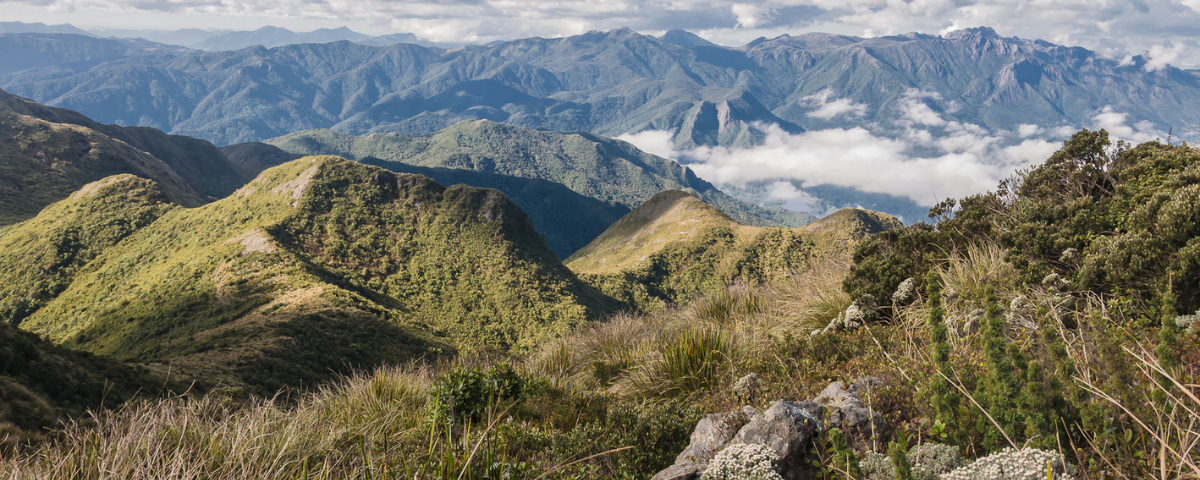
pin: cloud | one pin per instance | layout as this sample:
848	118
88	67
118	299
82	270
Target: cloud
1115	122
750	15
916	111
828	109
1159	56
857	158
920	156
657	142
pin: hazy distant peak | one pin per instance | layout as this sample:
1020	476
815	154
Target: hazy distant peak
686	39
979	32
22	27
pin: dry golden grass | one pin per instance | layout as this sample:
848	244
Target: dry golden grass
213	436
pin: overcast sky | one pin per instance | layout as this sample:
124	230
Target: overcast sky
1168	30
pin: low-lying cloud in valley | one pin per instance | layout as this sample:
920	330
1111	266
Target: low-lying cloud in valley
920	156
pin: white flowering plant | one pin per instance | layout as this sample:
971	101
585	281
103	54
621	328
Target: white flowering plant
746	461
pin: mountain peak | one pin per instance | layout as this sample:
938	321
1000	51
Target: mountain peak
686	39
974	32
667	217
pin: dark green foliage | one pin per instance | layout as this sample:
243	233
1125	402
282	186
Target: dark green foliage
41	383
1037	409
944	398
657	431
1000	387
898	453
1112	219
467	394
842	459
888	258
1168	341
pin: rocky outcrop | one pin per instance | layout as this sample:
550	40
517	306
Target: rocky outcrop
857	419
787	428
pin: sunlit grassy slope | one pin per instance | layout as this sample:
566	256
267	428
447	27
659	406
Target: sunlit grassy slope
316	266
675	246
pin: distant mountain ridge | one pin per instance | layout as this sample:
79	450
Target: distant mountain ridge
615	82
608	170
47	153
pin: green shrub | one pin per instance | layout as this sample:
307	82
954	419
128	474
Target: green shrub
463	394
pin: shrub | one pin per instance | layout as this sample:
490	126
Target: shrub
463	394
928	461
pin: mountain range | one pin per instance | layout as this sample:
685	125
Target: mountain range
611	83
970	85
215	40
573	186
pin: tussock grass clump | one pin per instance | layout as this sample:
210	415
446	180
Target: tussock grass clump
691	361
216	436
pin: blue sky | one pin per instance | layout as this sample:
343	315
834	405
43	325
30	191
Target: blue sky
1167	30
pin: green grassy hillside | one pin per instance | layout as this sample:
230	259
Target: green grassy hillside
46	153
567	220
675	247
317	266
601	168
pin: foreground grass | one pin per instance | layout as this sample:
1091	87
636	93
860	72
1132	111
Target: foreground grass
644	380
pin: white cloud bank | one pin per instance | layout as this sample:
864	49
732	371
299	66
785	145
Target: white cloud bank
857	158
923	157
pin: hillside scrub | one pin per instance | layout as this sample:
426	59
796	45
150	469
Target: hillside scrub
997	348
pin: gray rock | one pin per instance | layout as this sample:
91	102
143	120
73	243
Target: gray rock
679	471
857	420
747	387
711	434
788	429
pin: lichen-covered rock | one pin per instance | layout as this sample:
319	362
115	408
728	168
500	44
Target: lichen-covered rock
787	428
857	419
711	434
679	471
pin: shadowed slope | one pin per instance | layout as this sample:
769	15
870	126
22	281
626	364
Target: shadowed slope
46	153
